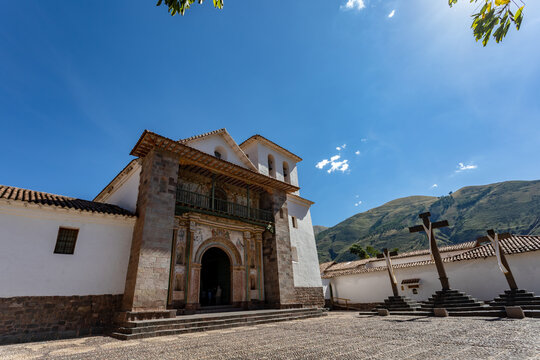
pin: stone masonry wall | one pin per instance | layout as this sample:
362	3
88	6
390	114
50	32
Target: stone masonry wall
310	296
34	318
147	279
277	258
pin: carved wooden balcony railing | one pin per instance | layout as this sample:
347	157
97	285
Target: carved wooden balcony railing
189	199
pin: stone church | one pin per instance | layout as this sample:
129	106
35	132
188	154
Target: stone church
188	224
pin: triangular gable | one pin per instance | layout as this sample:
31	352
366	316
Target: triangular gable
208	141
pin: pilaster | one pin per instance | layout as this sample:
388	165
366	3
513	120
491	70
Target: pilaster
147	280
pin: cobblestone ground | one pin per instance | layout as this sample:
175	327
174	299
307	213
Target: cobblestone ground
341	335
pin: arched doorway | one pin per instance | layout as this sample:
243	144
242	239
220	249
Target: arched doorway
215	278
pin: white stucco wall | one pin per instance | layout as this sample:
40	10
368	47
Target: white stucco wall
262	156
30	268
480	278
306	269
210	143
126	192
252	152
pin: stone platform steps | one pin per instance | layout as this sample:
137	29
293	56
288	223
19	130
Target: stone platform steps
210	321
455	301
526	300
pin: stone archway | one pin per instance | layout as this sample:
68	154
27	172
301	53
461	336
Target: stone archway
215	280
238	280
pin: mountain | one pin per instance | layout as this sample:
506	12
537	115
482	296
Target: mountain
318	228
510	206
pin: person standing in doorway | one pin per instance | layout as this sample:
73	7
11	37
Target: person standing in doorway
218	295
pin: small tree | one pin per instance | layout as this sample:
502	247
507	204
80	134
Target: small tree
372	251
357	250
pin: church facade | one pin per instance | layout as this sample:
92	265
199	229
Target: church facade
192	223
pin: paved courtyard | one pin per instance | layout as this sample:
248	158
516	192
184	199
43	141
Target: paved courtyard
341	335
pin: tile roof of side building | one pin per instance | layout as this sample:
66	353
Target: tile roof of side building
11	193
515	244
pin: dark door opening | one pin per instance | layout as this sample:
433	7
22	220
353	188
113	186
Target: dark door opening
215	278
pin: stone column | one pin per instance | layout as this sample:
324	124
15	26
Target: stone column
277	260
147	278
238	285
194	287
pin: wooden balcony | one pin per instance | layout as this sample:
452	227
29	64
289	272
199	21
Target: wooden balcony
187	200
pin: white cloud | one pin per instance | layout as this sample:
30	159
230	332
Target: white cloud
461	167
353	5
342	147
357	203
338	166
335	165
322	164
357	152
434	186
357	196
363	140
392	13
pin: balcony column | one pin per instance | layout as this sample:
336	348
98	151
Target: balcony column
213	191
247	194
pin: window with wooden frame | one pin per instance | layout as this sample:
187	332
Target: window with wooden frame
294	222
65	242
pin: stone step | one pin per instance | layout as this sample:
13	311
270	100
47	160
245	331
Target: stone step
518	296
518	291
453	305
516	301
197	324
532	313
232	324
494	313
450	301
449	292
212	317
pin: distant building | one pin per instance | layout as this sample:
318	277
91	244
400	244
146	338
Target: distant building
470	268
197	222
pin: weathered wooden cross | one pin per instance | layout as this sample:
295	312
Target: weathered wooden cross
393	280
428	227
494	238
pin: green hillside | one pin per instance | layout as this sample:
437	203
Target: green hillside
512	206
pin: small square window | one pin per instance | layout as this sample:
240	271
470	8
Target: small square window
65	242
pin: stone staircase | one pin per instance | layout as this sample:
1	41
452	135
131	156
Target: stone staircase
457	303
139	329
522	298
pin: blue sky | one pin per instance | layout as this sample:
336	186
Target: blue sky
412	93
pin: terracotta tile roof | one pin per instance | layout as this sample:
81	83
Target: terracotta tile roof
218	131
455	247
271	144
12	193
326	265
410	281
514	245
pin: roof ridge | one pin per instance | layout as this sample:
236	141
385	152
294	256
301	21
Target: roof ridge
213	132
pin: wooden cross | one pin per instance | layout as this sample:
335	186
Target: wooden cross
494	238
428	227
393	280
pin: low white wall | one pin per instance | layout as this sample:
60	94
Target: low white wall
30	268
306	269
480	278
